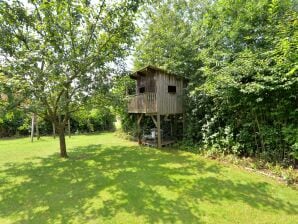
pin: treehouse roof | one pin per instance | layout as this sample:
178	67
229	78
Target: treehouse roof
149	69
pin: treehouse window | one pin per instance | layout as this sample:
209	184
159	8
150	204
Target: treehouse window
142	89
171	89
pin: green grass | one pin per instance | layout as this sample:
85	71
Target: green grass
110	180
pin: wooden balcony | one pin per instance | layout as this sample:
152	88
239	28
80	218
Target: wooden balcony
142	103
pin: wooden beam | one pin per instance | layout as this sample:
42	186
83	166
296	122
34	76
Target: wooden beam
171	126
158	132
154	121
139	118
183	124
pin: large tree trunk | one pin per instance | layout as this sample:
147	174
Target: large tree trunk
63	152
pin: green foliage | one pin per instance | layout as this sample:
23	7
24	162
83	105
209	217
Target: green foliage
14	122
246	68
94	120
241	58
123	86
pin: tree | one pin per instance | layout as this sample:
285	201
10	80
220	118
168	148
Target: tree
168	40
60	51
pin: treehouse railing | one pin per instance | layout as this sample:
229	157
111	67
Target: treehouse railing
142	103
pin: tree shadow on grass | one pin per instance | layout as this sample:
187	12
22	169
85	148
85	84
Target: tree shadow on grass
99	183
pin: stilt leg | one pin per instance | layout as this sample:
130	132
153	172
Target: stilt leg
139	118
158	132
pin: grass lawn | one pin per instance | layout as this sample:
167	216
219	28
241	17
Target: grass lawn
110	180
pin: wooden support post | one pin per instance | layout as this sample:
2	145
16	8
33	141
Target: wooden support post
183	125
158	132
154	121
37	128
32	127
171	126
54	130
139	118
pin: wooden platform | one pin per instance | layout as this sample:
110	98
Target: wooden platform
152	143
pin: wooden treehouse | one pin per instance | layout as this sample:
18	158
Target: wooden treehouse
159	94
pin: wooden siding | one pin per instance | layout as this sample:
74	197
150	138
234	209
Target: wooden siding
156	99
148	81
169	103
142	103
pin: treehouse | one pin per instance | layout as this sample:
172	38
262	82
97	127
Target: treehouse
158	94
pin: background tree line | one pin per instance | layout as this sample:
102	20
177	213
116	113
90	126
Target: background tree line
87	120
